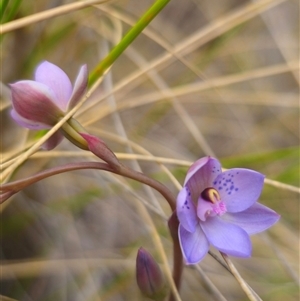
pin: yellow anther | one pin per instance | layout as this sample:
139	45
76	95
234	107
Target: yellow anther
211	195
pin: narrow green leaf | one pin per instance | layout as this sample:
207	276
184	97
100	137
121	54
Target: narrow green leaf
150	14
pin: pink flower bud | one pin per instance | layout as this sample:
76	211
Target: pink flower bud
149	276
101	150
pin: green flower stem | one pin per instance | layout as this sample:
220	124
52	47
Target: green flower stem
72	134
150	14
76	126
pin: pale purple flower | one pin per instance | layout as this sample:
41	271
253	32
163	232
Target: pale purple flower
221	209
39	104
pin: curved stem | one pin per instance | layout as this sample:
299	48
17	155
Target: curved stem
72	135
20	184
123	171
76	125
142	178
173	224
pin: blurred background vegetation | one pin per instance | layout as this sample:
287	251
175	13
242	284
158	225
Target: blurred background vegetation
205	77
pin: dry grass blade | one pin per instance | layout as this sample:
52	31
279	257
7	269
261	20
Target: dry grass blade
4	298
51	13
199	87
31	268
196	40
216	294
167	93
246	288
281	185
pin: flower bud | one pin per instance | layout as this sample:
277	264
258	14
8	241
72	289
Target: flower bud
149	276
101	150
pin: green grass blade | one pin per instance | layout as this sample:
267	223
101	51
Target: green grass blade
12	12
3	6
150	14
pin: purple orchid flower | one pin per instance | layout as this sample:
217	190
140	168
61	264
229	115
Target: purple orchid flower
221	209
39	104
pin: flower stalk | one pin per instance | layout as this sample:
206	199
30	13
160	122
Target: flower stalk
173	225
16	186
73	136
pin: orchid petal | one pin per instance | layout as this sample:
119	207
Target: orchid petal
226	237
27	123
239	188
194	246
53	141
79	87
195	167
186	210
201	175
35	102
57	80
255	219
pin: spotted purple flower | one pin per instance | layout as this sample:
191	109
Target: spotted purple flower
39	104
221	209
